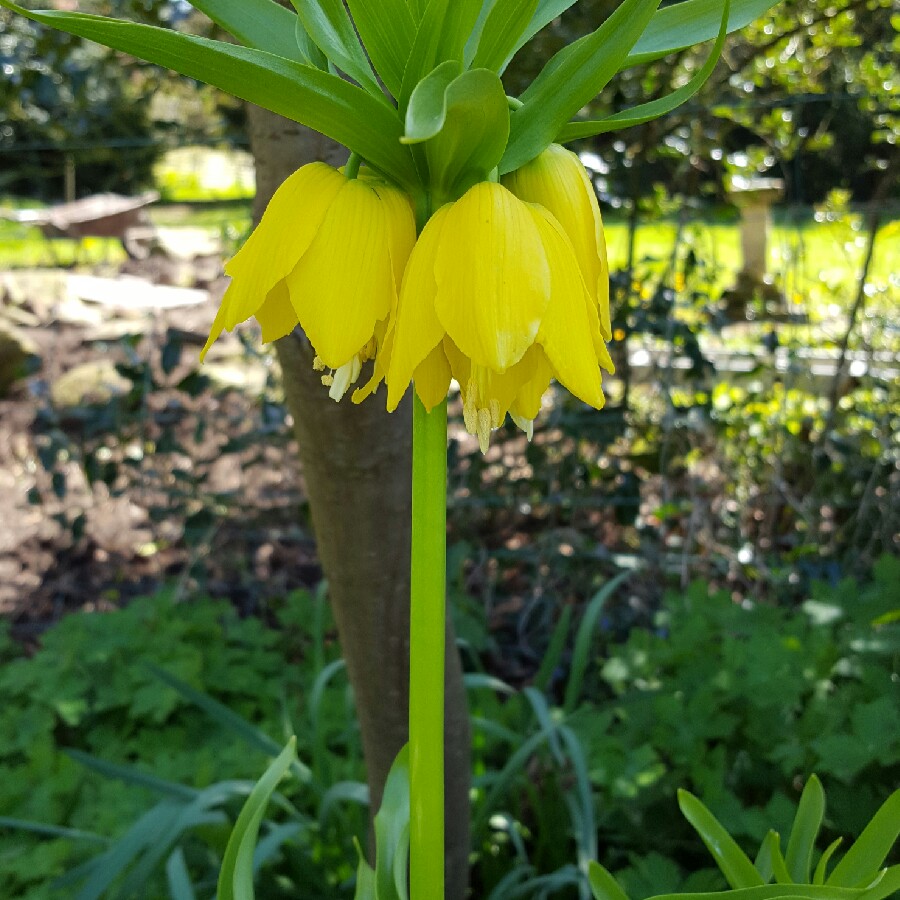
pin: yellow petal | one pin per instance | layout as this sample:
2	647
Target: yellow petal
558	181
492	277
276	316
531	392
417	330
380	366
565	329
344	283
432	378
401	227
286	230
218	326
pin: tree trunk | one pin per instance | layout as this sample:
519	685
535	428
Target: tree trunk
357	465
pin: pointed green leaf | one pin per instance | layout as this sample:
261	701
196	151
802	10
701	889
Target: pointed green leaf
655	108
603	885
262	24
322	101
463	129
805	830
779	867
475	34
387	30
691	22
228	718
870	849
309	50
888	885
584	637
392	832
546	12
236	876
736	867
328	24
822	865
178	877
572	78
553	655
441	37
502	32
764	858
57	831
132	775
366	886
773	892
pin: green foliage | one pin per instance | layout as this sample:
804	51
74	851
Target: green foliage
89	702
860	874
735	701
183	702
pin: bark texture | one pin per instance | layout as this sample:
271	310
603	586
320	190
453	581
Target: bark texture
357	465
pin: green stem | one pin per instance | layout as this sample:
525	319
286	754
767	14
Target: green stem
426	651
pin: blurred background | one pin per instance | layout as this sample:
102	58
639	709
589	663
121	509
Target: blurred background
744	474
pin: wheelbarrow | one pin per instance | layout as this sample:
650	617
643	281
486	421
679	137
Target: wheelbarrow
101	215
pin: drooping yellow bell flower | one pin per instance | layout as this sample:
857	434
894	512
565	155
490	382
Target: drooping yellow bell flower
329	254
558	181
493	296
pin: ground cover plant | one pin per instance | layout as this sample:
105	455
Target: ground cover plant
608	727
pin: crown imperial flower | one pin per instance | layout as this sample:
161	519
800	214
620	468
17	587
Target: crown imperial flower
557	180
493	296
328	254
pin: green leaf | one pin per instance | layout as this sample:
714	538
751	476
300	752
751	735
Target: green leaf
440	38
229	719
888	885
309	50
236	876
392	832
320	100
387	30
736	867
572	78
805	830
546	12
764	858
426	114
463	124
779	866
644	112
56	831
132	775
603	885
581	653
366	886
771	892
863	860
262	24
553	656
691	22
503	28
178	878
822	865
328	24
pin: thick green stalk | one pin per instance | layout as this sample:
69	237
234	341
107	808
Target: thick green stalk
426	651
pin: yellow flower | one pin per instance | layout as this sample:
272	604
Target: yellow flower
559	182
329	254
493	296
